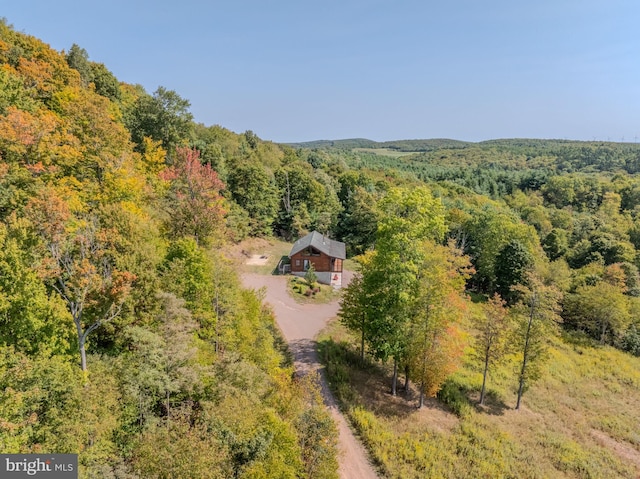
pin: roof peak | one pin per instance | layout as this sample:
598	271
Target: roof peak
321	242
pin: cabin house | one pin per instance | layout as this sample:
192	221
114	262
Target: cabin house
326	256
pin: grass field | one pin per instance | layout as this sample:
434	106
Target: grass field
269	250
580	420
385	152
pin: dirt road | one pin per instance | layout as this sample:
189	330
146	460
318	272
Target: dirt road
300	324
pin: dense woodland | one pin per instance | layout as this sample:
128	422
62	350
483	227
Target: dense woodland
125	335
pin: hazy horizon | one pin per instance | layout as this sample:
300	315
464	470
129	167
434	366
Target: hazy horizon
292	72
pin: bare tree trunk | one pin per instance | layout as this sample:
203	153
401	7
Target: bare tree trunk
217	308
362	340
83	353
406	379
76	313
484	375
421	401
394	380
603	332
526	353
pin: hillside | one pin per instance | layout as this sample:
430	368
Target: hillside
126	337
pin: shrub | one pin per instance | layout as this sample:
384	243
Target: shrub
311	277
452	395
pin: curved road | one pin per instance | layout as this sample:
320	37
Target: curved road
300	324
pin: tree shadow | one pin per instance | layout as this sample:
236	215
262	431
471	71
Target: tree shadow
305	354
493	405
369	381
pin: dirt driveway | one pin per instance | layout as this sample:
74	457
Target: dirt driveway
300	324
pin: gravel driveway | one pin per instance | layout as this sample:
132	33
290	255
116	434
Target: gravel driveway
300	324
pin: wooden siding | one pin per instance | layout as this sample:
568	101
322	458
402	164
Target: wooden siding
320	261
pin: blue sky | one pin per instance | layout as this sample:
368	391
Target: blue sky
302	70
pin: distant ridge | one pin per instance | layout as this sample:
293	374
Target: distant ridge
434	144
400	145
347	144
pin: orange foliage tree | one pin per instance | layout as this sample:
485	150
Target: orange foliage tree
194	202
78	265
436	343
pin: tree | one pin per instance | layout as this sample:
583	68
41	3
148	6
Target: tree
162	360
489	229
79	267
512	265
537	318
105	82
358	221
163	116
601	309
194	202
307	200
187	273
356	310
435	343
311	277
254	189
78	59
556	243
409	217
31	320
493	330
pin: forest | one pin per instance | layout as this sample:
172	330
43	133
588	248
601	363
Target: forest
484	271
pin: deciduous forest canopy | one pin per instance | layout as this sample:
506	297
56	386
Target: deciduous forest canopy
126	337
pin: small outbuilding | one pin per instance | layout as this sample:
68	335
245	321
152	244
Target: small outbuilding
326	256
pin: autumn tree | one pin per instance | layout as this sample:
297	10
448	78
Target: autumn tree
194	203
491	340
435	343
78	266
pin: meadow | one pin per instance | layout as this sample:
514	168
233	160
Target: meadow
578	421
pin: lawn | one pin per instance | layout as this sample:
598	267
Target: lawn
321	293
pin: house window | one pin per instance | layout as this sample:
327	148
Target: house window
297	262
306	264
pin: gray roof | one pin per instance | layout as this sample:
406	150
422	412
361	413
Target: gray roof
322	243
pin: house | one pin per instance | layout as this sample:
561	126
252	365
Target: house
326	256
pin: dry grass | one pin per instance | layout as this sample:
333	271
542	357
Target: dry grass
580	420
244	252
385	152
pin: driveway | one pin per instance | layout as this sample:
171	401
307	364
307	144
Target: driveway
300	324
